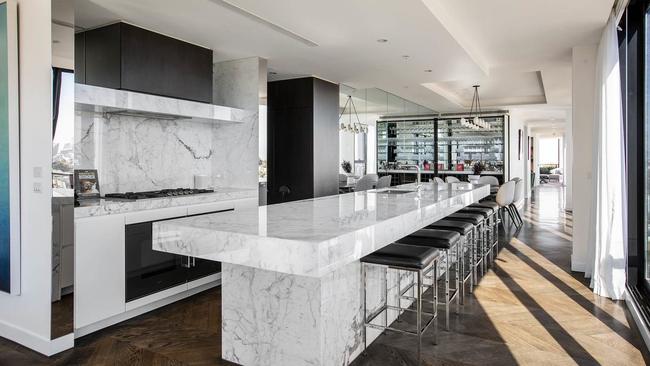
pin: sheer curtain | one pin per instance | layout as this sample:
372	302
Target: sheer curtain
607	255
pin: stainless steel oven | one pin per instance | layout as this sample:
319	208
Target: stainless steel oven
149	271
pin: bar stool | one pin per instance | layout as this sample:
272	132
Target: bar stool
420	261
488	233
466	231
494	223
449	244
477	221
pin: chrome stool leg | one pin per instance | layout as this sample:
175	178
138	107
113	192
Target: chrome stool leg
418	299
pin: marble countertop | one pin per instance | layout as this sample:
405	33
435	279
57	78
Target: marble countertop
102	207
316	236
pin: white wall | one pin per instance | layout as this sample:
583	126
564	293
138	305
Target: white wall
584	72
527	167
568	168
26	318
517	166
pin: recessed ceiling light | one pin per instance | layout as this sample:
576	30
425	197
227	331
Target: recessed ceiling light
56	41
272	73
382	40
406	57
428	70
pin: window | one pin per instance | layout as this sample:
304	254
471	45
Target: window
63	132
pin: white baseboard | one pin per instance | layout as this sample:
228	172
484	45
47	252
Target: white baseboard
80	332
640	324
61	344
577	266
45	346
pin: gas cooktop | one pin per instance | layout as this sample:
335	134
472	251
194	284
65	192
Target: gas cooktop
178	192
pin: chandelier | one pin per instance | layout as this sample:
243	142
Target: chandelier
354	127
474	121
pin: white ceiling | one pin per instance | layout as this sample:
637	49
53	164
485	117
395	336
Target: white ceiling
518	50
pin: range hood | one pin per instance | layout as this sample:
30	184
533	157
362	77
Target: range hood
112	101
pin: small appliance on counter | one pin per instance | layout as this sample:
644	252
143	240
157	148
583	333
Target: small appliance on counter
201	181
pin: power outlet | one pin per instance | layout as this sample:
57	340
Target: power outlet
37	187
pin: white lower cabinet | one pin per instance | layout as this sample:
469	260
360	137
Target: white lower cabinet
99	269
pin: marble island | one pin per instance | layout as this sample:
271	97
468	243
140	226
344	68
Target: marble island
291	272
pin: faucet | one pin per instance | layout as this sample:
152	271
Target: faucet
419	176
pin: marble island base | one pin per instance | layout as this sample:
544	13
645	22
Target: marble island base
272	318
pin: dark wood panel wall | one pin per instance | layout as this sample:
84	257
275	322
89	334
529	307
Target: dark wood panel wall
123	56
303	140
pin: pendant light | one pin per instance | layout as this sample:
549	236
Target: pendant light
475	121
353	127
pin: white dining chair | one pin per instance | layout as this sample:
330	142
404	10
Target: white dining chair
489	179
368	181
517	197
451	179
384	182
505	196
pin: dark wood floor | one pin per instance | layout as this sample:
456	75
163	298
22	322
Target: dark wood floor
529	309
62	316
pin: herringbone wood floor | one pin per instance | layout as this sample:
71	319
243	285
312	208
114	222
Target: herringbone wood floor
529	309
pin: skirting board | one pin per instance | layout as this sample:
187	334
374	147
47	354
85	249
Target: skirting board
141	310
636	315
577	266
45	346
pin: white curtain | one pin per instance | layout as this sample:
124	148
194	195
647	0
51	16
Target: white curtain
607	253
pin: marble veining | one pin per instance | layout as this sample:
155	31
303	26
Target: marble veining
165	147
291	275
312	237
105	207
272	318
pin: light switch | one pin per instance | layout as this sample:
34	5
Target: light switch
38	172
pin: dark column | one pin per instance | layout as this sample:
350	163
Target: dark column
303	140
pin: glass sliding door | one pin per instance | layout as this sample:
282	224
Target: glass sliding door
634	47
646	149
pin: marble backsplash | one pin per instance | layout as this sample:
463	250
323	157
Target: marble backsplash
140	154
135	153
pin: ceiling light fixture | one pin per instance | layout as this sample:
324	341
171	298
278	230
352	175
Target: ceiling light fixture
406	57
475	121
354	127
382	40
428	70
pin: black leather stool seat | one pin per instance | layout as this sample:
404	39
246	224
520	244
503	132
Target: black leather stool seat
485	211
442	239
491	204
406	256
472	218
461	227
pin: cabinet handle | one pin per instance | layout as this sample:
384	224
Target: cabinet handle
186	265
193	261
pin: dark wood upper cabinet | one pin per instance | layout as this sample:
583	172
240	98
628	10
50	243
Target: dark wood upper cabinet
123	56
80	58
